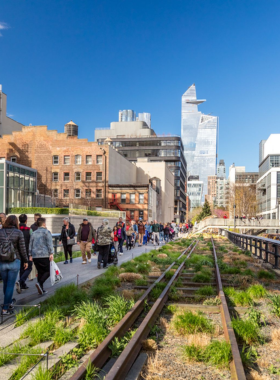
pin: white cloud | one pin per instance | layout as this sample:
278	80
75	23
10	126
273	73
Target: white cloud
3	25
9	115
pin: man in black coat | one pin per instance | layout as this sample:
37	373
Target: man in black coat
34	226
24	273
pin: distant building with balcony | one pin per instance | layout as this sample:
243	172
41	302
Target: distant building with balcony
238	175
136	140
268	184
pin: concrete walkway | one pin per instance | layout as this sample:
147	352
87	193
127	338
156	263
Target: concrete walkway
70	272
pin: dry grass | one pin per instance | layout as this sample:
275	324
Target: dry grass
200	340
154	368
82	323
254	375
155	274
163	323
275	338
128	294
130	277
149	345
263	363
162	256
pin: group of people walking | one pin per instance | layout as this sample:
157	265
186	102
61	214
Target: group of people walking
22	248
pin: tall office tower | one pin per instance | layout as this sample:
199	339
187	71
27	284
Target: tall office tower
127	115
144	116
221	169
199	133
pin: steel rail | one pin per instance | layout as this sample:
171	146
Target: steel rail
131	351
102	353
236	367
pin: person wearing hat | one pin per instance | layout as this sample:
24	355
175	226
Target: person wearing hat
104	240
86	233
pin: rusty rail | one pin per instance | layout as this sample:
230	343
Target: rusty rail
99	357
236	367
131	351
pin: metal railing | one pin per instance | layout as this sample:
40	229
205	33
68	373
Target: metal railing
243	223
262	248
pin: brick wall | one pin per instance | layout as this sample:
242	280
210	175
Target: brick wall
35	147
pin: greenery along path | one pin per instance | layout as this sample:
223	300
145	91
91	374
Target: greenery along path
190	343
69	272
86	315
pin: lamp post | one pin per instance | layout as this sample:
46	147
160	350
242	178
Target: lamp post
234	222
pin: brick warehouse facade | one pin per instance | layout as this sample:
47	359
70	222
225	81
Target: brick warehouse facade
70	169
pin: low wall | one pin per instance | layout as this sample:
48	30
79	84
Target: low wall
55	222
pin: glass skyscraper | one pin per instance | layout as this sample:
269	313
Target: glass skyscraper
199	134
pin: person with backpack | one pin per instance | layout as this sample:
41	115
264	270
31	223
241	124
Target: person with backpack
24	273
166	233
121	234
67	239
41	250
161	233
12	252
129	232
104	241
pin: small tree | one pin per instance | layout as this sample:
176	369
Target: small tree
206	211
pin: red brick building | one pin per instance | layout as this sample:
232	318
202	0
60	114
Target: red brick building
72	170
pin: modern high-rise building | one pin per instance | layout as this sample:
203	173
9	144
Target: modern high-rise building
199	133
146	117
127	115
221	169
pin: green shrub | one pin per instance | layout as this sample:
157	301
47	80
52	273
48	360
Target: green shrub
141	282
238	297
27	362
157	290
248	272
40	210
264	274
117	307
169	275
230	270
257	291
256	316
246	331
213	301
205	291
62	335
217	353
173	294
190	323
249	356
275	301
91	335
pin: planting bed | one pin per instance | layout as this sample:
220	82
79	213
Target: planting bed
76	320
253	296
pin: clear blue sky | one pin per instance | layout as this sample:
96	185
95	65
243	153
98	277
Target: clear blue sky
86	60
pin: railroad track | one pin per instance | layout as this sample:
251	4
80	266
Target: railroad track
100	356
124	362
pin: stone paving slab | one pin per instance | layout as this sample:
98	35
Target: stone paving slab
10	336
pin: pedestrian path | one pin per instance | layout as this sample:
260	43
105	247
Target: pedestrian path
72	273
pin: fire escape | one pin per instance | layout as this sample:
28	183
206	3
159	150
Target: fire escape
115	204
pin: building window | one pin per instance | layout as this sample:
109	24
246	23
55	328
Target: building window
141	198
132	198
77	193
132	214
99	176
77	177
123	198
55	193
78	159
99	160
141	214
55	177
88	176
88	160
88	193
66	177
66	193
66	160
55	160
14	159
98	193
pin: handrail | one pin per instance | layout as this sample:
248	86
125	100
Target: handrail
260	247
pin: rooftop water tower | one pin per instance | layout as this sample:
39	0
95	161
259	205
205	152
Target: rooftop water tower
71	129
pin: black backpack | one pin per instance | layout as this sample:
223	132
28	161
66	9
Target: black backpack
7	249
